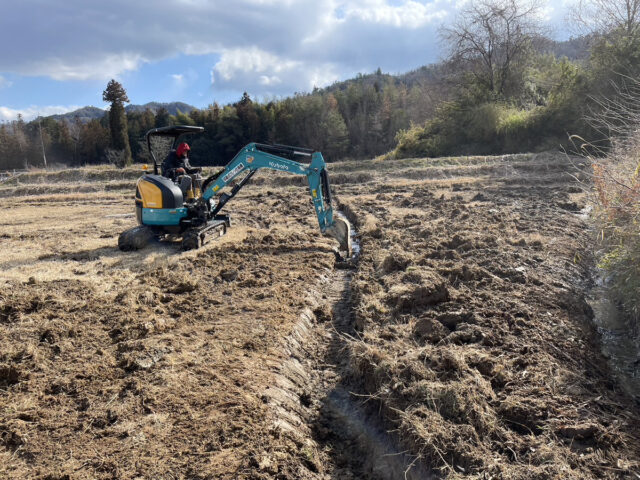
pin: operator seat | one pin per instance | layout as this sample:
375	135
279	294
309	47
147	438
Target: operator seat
169	160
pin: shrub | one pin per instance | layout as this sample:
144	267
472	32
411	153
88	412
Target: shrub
461	129
617	187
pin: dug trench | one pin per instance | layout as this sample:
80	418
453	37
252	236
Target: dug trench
163	364
475	341
459	346
313	390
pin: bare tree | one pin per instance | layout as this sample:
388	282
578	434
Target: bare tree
44	154
616	118
616	187
116	157
490	38
604	16
21	140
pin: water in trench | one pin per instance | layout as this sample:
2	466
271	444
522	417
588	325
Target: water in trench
355	239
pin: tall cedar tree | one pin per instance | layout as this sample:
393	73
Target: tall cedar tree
117	96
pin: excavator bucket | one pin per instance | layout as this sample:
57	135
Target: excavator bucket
341	231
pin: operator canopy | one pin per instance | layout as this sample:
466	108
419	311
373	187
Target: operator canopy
175	130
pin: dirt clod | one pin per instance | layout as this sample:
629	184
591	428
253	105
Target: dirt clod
394	262
9	375
407	298
430	329
185	286
580	431
229	275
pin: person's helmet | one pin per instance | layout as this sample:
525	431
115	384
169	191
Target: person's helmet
182	149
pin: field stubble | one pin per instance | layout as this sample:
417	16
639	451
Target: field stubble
461	339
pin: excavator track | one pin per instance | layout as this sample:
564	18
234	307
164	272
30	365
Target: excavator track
139	237
196	238
135	238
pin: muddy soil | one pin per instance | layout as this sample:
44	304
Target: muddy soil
154	364
460	345
476	344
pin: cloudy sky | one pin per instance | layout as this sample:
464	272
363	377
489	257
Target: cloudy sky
58	55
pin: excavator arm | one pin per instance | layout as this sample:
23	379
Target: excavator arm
255	156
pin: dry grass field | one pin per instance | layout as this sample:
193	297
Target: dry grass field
459	345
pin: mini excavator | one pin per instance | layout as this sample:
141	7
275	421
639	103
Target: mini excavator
162	209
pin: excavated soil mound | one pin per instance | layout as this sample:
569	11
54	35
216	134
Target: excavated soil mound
476	344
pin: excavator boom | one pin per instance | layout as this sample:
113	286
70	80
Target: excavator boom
255	156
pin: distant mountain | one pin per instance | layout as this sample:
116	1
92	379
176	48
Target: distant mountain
83	114
172	107
86	114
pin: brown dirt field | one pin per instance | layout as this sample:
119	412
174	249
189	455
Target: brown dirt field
459	347
476	343
154	364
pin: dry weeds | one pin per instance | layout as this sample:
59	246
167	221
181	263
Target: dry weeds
476	344
473	341
152	364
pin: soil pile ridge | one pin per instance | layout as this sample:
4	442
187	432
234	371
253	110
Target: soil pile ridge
476	342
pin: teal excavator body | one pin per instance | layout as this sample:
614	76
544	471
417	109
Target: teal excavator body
162	208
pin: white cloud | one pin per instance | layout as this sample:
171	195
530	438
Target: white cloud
86	39
263	73
250	61
4	83
546	13
8	114
270	80
410	14
93	39
265	46
103	67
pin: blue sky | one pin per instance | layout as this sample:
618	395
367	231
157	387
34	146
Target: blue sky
59	55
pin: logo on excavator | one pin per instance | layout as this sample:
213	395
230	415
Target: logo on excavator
233	172
278	165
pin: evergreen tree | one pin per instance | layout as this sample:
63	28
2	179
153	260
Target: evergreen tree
163	119
7	160
117	96
181	118
94	140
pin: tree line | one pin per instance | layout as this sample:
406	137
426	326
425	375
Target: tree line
354	119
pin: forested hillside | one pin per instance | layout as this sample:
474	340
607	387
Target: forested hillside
356	118
503	88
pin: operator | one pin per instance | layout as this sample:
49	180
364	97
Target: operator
177	165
